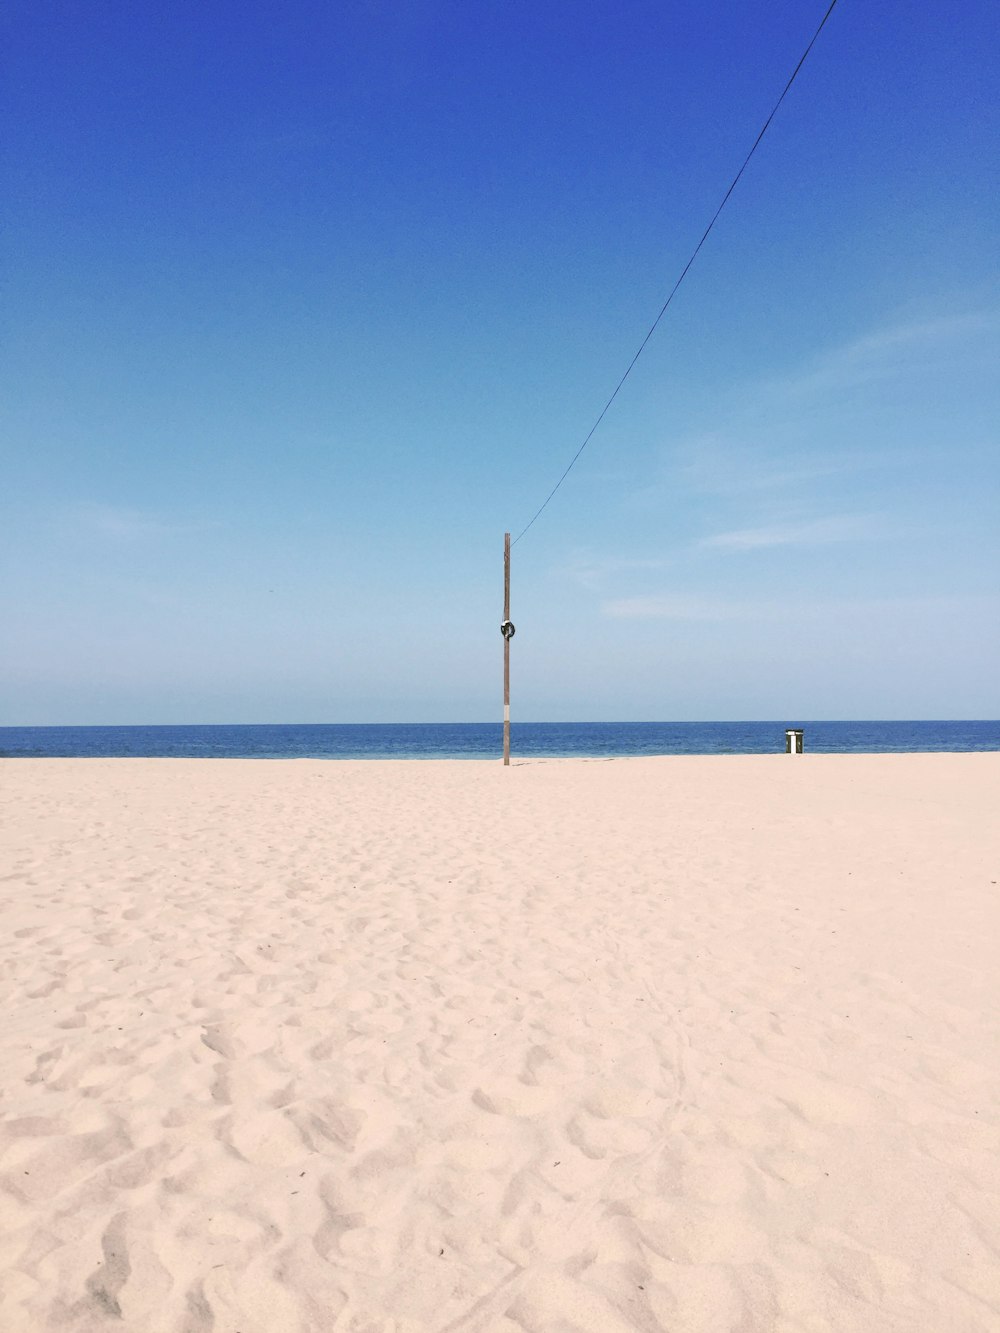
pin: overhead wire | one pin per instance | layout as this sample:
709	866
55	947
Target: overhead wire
684	272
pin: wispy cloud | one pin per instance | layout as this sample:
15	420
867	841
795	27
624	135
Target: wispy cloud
121	523
796	431
593	572
900	349
823	611
801	464
815	532
675	606
737	463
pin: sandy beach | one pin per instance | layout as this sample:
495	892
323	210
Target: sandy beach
693	1044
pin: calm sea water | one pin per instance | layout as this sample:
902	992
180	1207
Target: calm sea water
471	740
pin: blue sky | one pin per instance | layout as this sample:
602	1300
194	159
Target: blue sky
305	305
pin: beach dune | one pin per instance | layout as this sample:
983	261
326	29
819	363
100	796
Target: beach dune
695	1044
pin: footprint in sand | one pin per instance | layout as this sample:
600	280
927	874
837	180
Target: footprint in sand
512	1097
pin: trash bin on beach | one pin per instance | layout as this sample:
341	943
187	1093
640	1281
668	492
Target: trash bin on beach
793	741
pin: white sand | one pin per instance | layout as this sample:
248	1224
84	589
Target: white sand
684	1044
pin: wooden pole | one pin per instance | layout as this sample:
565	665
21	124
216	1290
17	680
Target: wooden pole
506	648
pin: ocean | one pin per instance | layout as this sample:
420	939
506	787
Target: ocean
475	740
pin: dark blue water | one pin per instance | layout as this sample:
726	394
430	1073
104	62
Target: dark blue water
471	740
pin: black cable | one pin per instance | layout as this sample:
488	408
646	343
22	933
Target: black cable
684	272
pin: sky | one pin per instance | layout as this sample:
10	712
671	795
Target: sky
305	305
